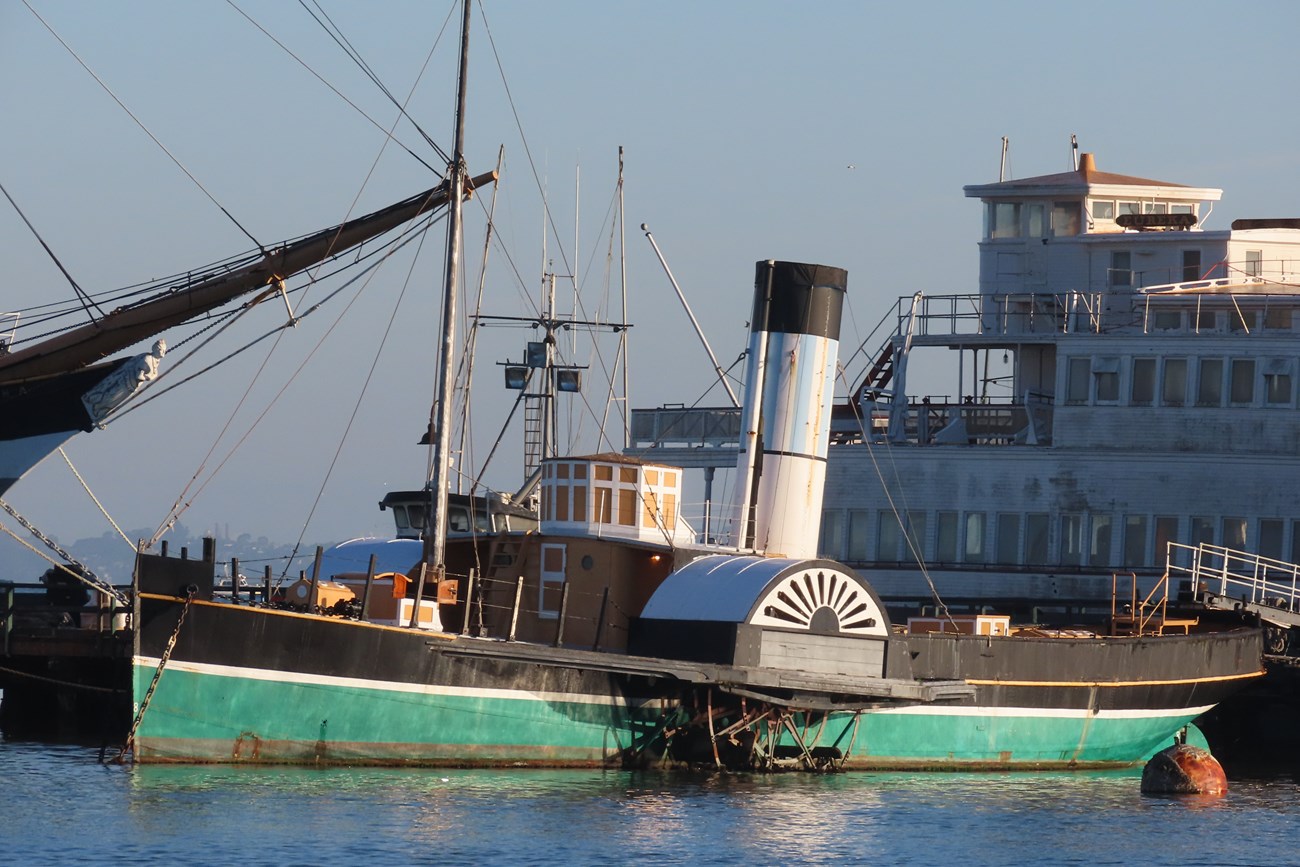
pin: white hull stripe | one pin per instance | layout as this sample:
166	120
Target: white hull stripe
579	698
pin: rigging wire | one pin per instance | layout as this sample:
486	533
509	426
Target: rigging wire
332	88
95	499
86	302
144	128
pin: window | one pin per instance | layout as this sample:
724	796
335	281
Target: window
1155	208
1106	373
1103	209
1144	381
974	551
1277	388
1191	265
1121	268
915	536
832	543
1181	209
1076	386
1240	320
1254	263
1166	532
946	538
1270	538
1295	541
887	538
1234	533
1206	320
1202	531
1072	540
1005	220
1135	541
1166	320
1130	208
1065	218
1278	318
1173	391
1209	388
1036	538
627	507
1243	380
1008	538
858	523
1099	551
1036	221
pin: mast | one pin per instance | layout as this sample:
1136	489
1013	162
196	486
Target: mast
436	539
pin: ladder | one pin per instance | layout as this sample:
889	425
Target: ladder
881	373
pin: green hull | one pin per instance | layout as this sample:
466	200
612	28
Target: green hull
260	716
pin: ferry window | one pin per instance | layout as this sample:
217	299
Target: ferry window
1277	388
1036	527
1181	209
1191	265
1234	533
1166	320
1072	540
1240	320
1065	218
1209	389
1144	381
1155	208
1106	373
1173	389
1130	208
1202	531
1099	550
1270	538
1076	386
1036	221
1206	320
915	536
1254	263
1008	538
1278	318
887	538
1006	220
858	535
1166	532
832	534
560	471
1135	541
604	504
1121	269
974	549
1243	380
946	538
1103	209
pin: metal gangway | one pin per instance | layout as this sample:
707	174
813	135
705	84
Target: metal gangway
1229	580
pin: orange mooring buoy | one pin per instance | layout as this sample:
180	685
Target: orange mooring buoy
1184	770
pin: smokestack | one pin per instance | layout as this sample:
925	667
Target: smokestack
794	336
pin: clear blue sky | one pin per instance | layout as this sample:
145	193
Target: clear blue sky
838	133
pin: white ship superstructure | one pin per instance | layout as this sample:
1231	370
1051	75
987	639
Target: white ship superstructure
1124	378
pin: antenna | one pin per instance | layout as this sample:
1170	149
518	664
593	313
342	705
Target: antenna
1074	151
1002	169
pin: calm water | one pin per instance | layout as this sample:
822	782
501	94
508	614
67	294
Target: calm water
61	806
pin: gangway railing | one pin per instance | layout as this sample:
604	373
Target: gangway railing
1148	616
1230	580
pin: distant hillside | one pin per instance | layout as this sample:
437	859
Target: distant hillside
112	559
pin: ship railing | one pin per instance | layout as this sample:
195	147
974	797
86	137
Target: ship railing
1001	313
1250	578
1148	615
944	420
8	330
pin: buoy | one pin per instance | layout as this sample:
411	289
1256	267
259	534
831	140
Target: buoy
1184	770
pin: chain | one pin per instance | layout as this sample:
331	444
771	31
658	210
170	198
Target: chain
85	576
157	675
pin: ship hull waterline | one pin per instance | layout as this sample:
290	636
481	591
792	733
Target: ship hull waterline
248	685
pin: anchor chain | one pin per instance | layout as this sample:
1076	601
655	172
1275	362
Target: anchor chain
157	675
81	572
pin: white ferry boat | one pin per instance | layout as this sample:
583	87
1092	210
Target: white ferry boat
1125	378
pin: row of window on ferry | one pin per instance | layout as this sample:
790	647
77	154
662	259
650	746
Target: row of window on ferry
1181	381
1059	219
1077	539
